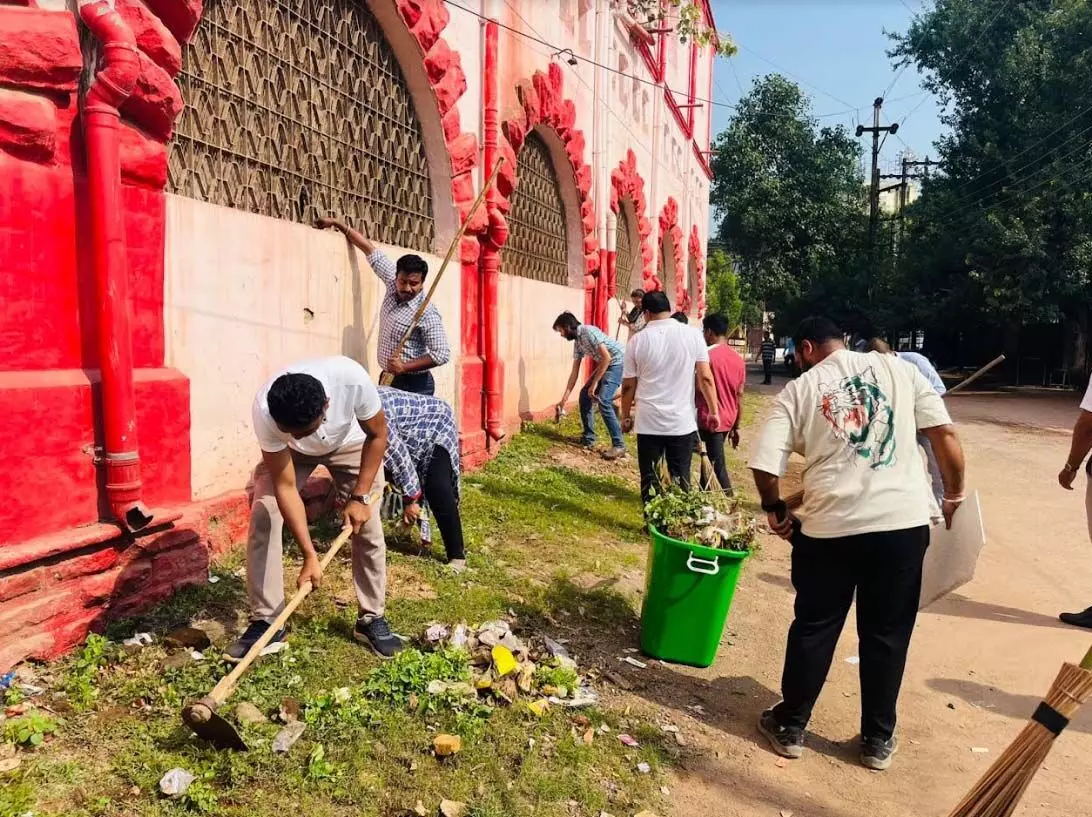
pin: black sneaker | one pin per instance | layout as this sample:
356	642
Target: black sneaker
238	648
1082	619
788	743
376	633
877	753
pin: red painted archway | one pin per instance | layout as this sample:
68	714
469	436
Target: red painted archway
669	226
626	182
698	259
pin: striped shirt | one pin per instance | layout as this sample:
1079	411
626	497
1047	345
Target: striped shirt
769	350
590	338
395	317
416	424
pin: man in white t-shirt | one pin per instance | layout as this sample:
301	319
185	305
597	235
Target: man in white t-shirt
318	412
659	369
862	528
1079	447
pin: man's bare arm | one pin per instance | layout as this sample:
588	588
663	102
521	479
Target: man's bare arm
283	472
601	366
574	375
1081	443
708	387
629	391
371	454
357	239
949	455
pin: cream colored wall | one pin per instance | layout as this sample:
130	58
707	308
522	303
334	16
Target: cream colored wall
246	295
537	361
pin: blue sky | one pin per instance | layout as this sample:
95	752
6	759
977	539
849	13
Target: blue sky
836	51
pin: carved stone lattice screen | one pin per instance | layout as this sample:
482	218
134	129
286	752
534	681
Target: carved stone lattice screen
296	109
624	260
537	244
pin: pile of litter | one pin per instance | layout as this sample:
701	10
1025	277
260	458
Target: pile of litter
506	669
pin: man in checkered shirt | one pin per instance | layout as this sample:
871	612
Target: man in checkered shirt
422	459
427	345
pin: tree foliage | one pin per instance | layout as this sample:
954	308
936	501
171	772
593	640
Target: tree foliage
1005	234
789	199
687	20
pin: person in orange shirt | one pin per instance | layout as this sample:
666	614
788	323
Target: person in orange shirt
729	375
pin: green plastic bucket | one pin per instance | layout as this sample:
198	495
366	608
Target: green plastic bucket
687	596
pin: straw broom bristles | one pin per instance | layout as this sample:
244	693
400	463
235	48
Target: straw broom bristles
999	791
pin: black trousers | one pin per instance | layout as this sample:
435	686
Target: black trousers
679	453
714	447
767	371
416	382
439	491
885	571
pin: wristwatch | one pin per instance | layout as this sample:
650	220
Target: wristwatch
363	499
1071	469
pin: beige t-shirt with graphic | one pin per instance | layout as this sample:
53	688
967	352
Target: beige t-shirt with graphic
854	418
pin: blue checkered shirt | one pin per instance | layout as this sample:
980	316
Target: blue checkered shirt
416	424
590	338
395	317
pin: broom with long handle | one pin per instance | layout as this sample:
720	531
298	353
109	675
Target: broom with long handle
999	791
386	378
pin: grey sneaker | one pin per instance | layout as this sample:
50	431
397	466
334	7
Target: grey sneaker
614	454
237	649
877	754
457	566
789	743
376	633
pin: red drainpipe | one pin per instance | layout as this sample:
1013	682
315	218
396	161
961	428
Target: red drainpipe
493	240
112	85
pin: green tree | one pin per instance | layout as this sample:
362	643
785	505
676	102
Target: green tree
722	288
1005	236
789	198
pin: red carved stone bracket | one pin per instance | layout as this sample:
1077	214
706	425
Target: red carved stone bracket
544	104
626	182
699	268
669	225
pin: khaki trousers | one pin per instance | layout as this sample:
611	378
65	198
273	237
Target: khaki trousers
264	557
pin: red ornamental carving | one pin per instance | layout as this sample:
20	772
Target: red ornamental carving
543	104
626	182
699	268
669	225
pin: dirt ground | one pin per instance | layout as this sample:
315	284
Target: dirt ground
980	661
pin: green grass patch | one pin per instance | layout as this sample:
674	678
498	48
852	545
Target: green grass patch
539	520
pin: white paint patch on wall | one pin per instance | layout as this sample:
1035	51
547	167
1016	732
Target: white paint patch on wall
246	295
536	359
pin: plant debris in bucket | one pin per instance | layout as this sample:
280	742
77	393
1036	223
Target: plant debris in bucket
709	519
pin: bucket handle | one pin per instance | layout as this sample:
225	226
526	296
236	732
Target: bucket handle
710	567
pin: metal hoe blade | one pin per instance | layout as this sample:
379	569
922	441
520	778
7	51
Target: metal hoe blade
201	717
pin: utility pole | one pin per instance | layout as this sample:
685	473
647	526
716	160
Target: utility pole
874	188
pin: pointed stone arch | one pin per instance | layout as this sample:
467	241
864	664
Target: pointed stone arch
545	110
628	187
672	263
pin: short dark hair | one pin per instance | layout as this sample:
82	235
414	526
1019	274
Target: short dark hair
716	324
296	400
566	320
818	330
411	264
680	317
637	293
655	302
879	345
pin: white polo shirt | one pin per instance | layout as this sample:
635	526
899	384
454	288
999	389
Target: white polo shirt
353	397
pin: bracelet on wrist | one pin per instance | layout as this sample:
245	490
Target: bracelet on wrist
959	498
1070	468
778	507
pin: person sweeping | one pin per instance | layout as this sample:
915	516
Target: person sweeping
862	529
604	382
422	459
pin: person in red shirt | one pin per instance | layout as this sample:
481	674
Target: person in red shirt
729	374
